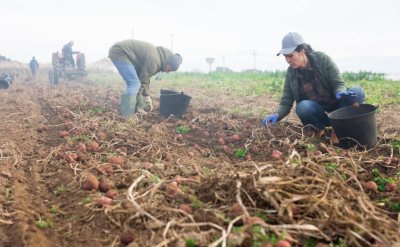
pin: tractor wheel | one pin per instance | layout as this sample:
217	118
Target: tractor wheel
82	63
53	76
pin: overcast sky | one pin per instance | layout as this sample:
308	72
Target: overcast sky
358	35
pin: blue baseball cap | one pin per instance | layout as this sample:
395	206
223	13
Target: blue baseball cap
290	42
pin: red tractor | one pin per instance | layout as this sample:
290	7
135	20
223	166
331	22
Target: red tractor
63	68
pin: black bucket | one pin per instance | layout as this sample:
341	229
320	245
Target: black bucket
355	126
4	84
173	103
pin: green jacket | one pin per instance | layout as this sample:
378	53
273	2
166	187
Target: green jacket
147	59
327	72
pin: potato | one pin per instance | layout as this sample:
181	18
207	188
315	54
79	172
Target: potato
85	132
190	154
107	169
275	156
116	160
188	209
80	147
317	153
39	129
266	245
166	156
112	194
371	186
253	220
283	243
172	190
224	148
205	133
277	152
82	156
178	179
91	183
40	140
147	165
45	128
247	157
197	147
103	201
65	115
179	137
391	186
221	142
71	157
320	244
94	147
63	134
356	105
234	138
95	125
128	236
235	210
246	125
106	185
102	136
60	156
221	135
395	160
254	150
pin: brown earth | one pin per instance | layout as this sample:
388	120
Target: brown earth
312	197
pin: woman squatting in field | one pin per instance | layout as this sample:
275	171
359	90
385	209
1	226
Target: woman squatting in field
137	61
312	80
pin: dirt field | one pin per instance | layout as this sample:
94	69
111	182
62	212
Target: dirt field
172	190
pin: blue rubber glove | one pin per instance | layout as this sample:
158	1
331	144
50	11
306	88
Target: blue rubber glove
270	119
344	95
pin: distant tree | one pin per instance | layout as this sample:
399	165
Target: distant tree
221	70
3	59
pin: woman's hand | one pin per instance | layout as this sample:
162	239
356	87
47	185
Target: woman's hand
270	119
148	104
343	95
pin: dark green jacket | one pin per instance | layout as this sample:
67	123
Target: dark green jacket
147	59
327	72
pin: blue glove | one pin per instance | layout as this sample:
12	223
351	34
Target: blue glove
344	95
270	119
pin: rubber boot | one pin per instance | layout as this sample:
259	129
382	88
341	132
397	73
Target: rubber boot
318	134
334	139
128	103
139	104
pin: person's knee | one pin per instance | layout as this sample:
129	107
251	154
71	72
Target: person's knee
304	108
360	93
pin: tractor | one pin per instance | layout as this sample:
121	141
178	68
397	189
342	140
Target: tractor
63	68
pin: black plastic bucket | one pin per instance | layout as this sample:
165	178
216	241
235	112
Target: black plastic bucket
173	103
4	84
355	126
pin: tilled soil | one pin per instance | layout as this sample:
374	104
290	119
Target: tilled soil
180	191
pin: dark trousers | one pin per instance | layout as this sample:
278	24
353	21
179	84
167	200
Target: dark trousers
33	72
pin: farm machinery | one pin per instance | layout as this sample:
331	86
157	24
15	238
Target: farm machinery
64	68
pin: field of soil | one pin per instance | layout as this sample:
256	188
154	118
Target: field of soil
75	173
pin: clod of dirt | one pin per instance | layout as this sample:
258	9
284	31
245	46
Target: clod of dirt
235	210
247	157
221	142
106	185
103	201
39	129
166	156
190	154
224	148
283	243
60	156
107	169
320	244
178	179
128	236
63	134
65	115
81	147
116	160
102	136
254	150
82	156
94	147
234	138
85	132
112	194
179	137
68	126
221	135
371	186
254	220
188	209
95	125
40	140
71	157
387	160
91	183
294	209
391	186
172	190
147	165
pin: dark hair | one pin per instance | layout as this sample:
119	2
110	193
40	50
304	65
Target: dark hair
307	48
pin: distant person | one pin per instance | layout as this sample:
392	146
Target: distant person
34	66
137	61
67	53
312	80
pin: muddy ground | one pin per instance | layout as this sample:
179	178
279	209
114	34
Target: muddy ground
171	190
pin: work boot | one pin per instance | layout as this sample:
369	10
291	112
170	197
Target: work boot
128	102
334	139
139	104
317	134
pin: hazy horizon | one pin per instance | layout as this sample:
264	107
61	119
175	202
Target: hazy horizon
358	35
